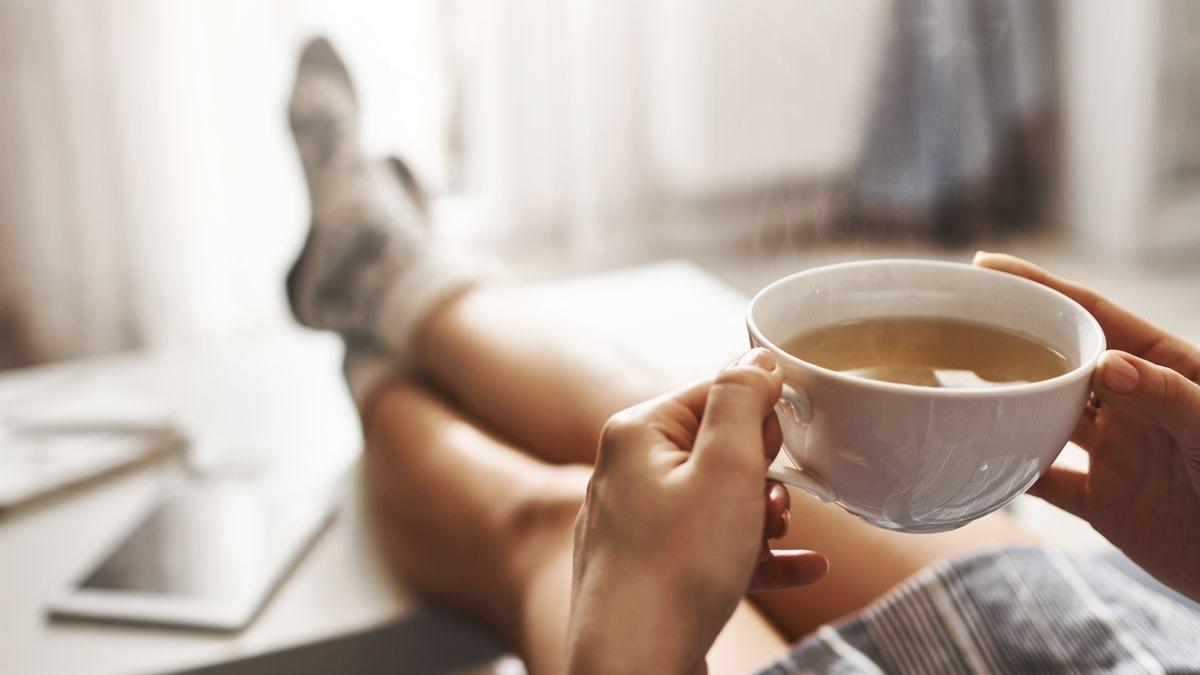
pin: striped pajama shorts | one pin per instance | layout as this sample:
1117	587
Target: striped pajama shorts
1013	610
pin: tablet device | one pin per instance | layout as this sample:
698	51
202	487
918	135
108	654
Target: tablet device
205	557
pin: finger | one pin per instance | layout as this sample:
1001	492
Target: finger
1151	393
778	516
1084	434
1123	329
693	397
740	399
675	415
788	569
772	437
1064	488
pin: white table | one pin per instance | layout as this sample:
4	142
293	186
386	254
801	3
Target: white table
282	399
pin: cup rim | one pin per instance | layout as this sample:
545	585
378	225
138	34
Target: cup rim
1084	369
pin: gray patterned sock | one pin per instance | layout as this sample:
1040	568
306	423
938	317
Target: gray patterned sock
370	269
367	370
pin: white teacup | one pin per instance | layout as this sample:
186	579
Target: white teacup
912	458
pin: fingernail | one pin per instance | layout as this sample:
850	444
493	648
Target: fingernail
979	255
758	357
778	493
1120	375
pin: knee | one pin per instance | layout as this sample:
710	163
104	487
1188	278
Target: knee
400	418
540	522
550	502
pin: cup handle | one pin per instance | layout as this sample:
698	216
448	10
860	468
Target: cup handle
805	481
795	404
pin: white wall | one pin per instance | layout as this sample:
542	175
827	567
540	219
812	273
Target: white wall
1109	61
1115	201
741	95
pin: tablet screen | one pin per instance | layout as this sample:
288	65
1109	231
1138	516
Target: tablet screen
213	543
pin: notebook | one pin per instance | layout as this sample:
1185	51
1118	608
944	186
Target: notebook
47	447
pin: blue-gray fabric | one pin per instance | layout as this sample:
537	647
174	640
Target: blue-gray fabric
1012	610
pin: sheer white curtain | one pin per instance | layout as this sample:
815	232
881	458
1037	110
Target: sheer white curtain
148	188
549	98
587	120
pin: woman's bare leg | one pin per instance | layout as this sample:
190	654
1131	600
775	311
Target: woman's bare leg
543	385
553	393
474	523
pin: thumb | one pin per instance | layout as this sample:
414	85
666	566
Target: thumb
1152	393
742	396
